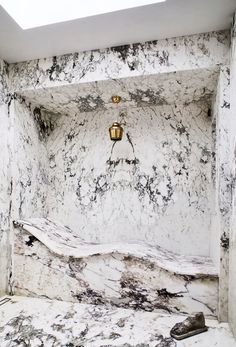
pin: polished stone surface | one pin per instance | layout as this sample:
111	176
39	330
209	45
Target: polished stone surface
63	241
159	198
141	91
232	241
41	322
222	178
206	51
5	175
153	186
128	275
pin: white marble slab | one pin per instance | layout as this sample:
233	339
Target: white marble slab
176	54
136	276
153	186
30	161
232	243
64	242
223	184
5	176
48	323
147	90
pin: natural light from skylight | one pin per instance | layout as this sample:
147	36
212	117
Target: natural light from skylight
34	13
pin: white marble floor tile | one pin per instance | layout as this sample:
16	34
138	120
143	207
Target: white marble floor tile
41	322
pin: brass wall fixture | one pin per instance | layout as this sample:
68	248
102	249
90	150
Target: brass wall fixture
116	99
116	130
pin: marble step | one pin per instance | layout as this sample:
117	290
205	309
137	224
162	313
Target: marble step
52	261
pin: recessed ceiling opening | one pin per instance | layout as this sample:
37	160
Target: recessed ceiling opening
30	14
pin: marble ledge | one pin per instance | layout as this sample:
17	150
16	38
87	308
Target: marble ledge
62	241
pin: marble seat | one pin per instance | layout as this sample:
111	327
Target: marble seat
52	261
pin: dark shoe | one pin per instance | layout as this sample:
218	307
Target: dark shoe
189	327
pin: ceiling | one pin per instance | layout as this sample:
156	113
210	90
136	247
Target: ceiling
162	20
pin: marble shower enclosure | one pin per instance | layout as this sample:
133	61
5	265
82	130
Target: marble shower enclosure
159	184
126	192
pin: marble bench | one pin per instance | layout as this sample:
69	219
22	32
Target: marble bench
51	261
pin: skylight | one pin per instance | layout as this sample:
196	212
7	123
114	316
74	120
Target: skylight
34	13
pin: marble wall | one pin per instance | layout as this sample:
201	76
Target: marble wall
153	186
30	160
23	177
29	163
232	251
5	176
223	186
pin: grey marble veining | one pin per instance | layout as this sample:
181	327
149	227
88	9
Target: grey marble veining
58	324
177	54
25	157
137	276
5	176
223	184
4	82
65	242
164	184
30	161
143	184
153	186
141	91
232	240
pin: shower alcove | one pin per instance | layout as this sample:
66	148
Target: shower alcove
132	223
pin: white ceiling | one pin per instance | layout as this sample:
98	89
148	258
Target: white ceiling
162	20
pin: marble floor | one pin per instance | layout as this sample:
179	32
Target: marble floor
44	323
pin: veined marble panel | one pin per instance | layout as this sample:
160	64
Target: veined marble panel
153	186
30	161
224	158
51	323
5	176
134	276
148	90
4	82
65	242
184	53
232	243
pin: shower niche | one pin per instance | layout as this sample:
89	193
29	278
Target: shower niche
131	223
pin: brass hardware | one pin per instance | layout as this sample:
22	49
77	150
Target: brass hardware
116	132
116	99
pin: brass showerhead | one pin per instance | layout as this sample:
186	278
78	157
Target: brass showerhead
116	132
